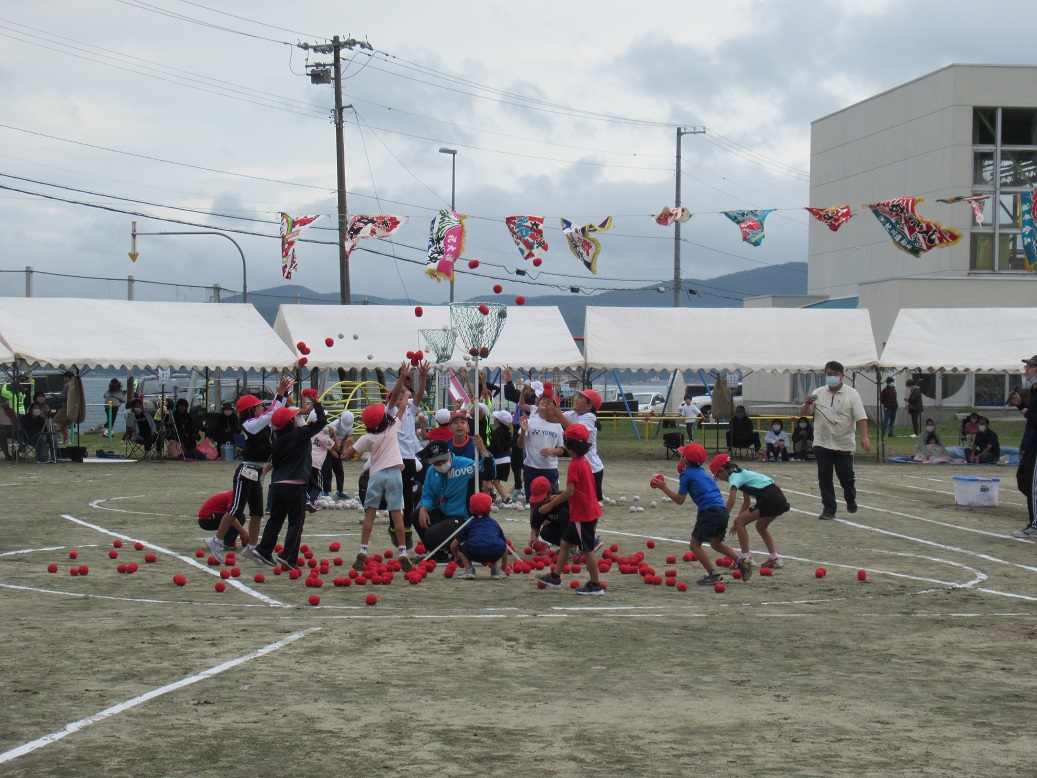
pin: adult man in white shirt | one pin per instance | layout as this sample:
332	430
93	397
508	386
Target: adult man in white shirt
838	414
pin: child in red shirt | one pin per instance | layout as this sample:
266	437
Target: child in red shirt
584	512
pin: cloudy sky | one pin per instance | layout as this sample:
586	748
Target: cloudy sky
202	113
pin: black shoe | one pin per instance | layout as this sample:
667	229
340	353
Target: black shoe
826	516
851	507
551	580
285	564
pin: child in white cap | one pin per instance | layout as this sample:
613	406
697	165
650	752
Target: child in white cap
500	450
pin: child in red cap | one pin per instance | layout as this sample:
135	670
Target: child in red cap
584	512
481	540
712	518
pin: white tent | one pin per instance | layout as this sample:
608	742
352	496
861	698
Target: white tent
125	334
533	336
746	339
6	355
961	339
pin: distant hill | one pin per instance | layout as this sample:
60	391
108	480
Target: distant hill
725	291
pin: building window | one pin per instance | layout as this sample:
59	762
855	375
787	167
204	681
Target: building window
1004	165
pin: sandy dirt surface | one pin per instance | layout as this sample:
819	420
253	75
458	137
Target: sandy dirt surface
925	668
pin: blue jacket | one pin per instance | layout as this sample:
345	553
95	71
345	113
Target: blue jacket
484	535
449	492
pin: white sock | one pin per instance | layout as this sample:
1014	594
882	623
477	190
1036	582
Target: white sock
403	551
363	550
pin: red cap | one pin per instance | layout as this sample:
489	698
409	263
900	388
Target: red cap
539	489
592	397
373	415
718	462
247	401
480	504
576	432
694	453
283	416
458	415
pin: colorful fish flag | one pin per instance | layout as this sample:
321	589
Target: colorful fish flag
910	231
528	234
362	227
976	202
582	245
668	216
445	244
834	217
1028	235
750	223
290	228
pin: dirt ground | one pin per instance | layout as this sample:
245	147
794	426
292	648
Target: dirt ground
925	668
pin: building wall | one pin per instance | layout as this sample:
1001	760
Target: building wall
914	140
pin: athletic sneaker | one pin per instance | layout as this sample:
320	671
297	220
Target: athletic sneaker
591	587
254	555
826	516
284	562
1025	532
772	564
405	564
598	543
710	578
358	565
553	581
215	547
745	566
467	574
497	574
851	507
342	496
541	548
325	495
310	507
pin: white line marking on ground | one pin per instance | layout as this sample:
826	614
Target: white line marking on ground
230	581
128	599
97	504
75	726
48	548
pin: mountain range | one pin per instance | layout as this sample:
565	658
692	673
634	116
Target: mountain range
726	291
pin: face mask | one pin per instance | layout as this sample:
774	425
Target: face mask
442	467
833	380
776	427
930	428
739	415
228	413
36	412
982	427
1030	381
802	425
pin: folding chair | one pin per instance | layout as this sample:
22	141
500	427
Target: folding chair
673	442
42	447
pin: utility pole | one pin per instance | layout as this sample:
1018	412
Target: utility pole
681	132
319	74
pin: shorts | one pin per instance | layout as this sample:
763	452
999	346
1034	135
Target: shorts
211	522
710	523
771	502
580	535
503	468
386	483
481	554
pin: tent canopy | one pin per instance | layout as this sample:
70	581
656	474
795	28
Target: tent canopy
533	337
746	339
126	334
961	339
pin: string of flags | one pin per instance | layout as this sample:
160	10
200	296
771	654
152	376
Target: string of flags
898	216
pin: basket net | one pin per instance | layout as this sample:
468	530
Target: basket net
476	329
440	342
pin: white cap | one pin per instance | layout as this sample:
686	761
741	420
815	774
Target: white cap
443	416
537	387
502	416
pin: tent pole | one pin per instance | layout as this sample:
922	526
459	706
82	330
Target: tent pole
880	449
623	397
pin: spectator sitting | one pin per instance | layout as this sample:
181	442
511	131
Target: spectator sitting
777	441
986	447
140	426
228	428
184	431
969	427
803	439
742	433
930	447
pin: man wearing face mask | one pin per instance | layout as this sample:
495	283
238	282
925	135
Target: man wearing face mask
838	413
449	484
1025	475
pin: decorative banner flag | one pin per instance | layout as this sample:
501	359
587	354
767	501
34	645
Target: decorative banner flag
834	217
750	223
528	234
1028	237
668	216
582	245
361	227
445	244
908	230
975	201
289	234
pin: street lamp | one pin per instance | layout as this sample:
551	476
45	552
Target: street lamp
453	190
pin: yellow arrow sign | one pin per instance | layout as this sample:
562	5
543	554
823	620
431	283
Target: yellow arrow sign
134	255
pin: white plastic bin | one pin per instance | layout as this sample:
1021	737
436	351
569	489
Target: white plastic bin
975	491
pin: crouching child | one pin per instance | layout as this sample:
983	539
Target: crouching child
481	540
